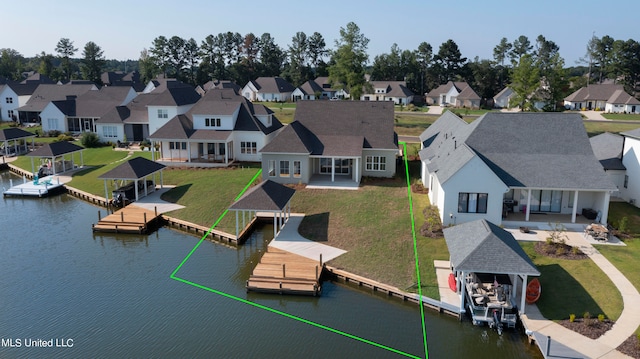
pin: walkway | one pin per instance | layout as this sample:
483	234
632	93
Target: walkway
625	326
291	241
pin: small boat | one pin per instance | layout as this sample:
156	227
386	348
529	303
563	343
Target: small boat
452	282
533	291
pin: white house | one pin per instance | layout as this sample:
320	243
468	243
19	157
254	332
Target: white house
266	89
171	102
456	94
502	98
395	91
602	97
520	162
220	128
630	190
45	93
9	103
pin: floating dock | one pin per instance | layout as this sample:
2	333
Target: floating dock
283	272
36	188
130	219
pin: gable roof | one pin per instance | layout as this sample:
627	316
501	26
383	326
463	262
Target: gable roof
176	96
14	133
335	128
596	92
133	169
393	88
55	149
310	88
482	247
633	133
621	97
98	103
460	86
607	147
272	85
530	150
46	93
266	196
134	112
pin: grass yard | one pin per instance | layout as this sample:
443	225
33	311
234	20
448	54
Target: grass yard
596	128
621	116
206	193
574	287
413	125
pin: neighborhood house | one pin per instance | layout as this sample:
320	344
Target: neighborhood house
333	141
513	163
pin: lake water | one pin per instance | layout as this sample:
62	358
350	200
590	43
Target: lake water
111	296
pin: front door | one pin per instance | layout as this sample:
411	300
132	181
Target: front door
138	134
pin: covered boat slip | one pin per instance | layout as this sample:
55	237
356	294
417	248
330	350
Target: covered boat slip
13	141
491	271
134	171
56	157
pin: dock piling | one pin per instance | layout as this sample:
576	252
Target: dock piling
283	271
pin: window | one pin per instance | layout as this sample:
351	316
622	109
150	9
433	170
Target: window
212	122
284	169
376	163
11	114
9	99
52	123
248	147
472	202
297	173
163	113
626	181
272	168
73	124
109	131
177	145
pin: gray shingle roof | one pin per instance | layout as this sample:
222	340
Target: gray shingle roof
98	103
176	96
55	149
13	133
272	85
597	92
327	127
633	133
133	169
266	196
178	128
607	147
532	150
46	93
482	247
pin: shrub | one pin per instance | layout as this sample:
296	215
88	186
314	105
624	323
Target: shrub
560	251
575	250
623	225
601	318
586	315
64	137
90	140
53	133
572	317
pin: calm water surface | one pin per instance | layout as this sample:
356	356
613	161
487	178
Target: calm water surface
113	297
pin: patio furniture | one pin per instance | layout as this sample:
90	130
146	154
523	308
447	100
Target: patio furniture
597	231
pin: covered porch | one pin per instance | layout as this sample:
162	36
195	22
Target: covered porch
205	152
336	168
556	205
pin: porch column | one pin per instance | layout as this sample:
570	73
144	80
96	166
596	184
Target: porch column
161	180
146	192
135	186
526	218
153	150
237	231
275	226
357	170
106	192
605	208
226	153
523	293
575	207
333	169
188	151
463	288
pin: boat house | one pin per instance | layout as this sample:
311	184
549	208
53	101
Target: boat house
491	271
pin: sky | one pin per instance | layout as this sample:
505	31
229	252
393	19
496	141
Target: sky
124	28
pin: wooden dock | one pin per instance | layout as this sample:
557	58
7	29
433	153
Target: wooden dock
130	219
286	273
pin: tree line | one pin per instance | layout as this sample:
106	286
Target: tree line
535	70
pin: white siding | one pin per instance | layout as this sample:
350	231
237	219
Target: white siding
13	104
52	112
484	181
119	132
226	122
305	163
248	136
390	163
631	160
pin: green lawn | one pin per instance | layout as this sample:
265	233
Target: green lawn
574	287
596	128
206	193
412	125
621	116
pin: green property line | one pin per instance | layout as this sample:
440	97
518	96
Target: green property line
415	247
287	315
